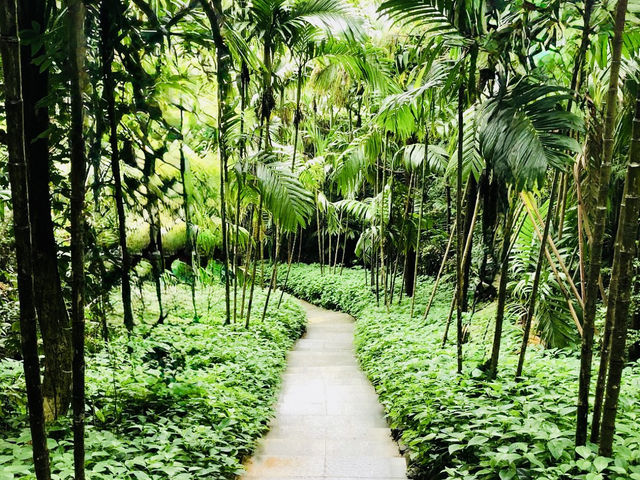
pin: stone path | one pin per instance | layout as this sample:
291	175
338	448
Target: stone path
329	424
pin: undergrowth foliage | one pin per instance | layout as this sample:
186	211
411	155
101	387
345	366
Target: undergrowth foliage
465	427
183	399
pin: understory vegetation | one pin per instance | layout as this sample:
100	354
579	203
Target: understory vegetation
471	427
183	399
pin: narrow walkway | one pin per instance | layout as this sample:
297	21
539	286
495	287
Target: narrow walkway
329	424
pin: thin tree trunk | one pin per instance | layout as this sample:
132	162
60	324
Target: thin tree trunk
245	277
320	256
459	227
440	270
187	216
216	17
595	256
76	14
407	271
17	166
274	272
472	188
621	287
292	246
155	240
382	214
236	253
448	194
562	204
445	337
502	294
109	33
255	262
536	278
344	249
580	208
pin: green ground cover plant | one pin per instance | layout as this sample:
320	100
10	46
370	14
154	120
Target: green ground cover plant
183	399
466	427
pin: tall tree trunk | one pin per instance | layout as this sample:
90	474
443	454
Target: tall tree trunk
109	32
621	287
236	247
595	256
582	411
536	277
255	261
319	237
215	15
247	263
77	51
489	189
187	216
459	228
17	166
634	349
502	293
50	305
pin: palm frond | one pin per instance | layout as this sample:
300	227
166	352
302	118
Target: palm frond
436	16
525	131
290	203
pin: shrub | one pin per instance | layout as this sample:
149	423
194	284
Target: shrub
190	399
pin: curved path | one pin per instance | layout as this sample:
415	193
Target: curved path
329	424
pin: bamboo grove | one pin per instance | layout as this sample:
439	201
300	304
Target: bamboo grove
492	145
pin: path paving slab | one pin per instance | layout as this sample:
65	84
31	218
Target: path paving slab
329	423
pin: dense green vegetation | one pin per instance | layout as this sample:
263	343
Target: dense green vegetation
183	400
493	146
471	427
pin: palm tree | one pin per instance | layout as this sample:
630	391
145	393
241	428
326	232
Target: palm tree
520	137
51	309
217	19
597	237
276	23
619	298
110	10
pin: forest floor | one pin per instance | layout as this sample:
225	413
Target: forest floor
329	423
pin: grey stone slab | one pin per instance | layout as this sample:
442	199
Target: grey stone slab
365	467
358	447
272	446
366	408
301	408
329	423
269	466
